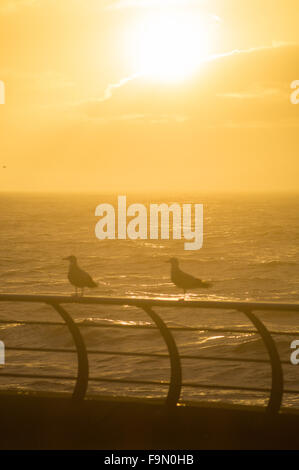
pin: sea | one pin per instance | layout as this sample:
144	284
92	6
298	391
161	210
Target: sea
250	253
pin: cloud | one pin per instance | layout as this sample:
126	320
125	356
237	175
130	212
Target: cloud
109	90
121	4
139	118
255	93
162	5
241	87
279	124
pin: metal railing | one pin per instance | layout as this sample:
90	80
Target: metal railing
147	305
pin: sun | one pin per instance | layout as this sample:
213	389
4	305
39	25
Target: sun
170	46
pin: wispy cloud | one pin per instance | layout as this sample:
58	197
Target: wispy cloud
119	4
256	93
253	94
266	124
109	90
138	118
215	97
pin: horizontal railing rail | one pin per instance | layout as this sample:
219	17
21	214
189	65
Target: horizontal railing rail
147	304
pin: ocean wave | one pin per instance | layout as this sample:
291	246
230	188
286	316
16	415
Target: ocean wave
107	321
275	263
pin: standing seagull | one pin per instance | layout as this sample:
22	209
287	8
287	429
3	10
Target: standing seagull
77	276
183	280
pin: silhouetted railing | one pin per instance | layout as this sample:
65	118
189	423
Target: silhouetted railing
175	384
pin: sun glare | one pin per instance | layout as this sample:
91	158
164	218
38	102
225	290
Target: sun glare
170	46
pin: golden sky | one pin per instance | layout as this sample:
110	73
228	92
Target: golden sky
149	95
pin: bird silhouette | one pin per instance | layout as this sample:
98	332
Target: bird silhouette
77	277
183	280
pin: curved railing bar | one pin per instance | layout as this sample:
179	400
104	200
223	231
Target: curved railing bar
147	304
82	357
276	395
175	385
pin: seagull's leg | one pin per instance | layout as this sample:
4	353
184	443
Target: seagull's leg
183	298
82	292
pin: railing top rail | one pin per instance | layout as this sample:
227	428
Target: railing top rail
151	302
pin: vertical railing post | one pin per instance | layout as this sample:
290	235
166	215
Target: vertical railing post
276	395
81	385
175	385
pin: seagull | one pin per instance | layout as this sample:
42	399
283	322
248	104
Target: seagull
78	277
183	280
